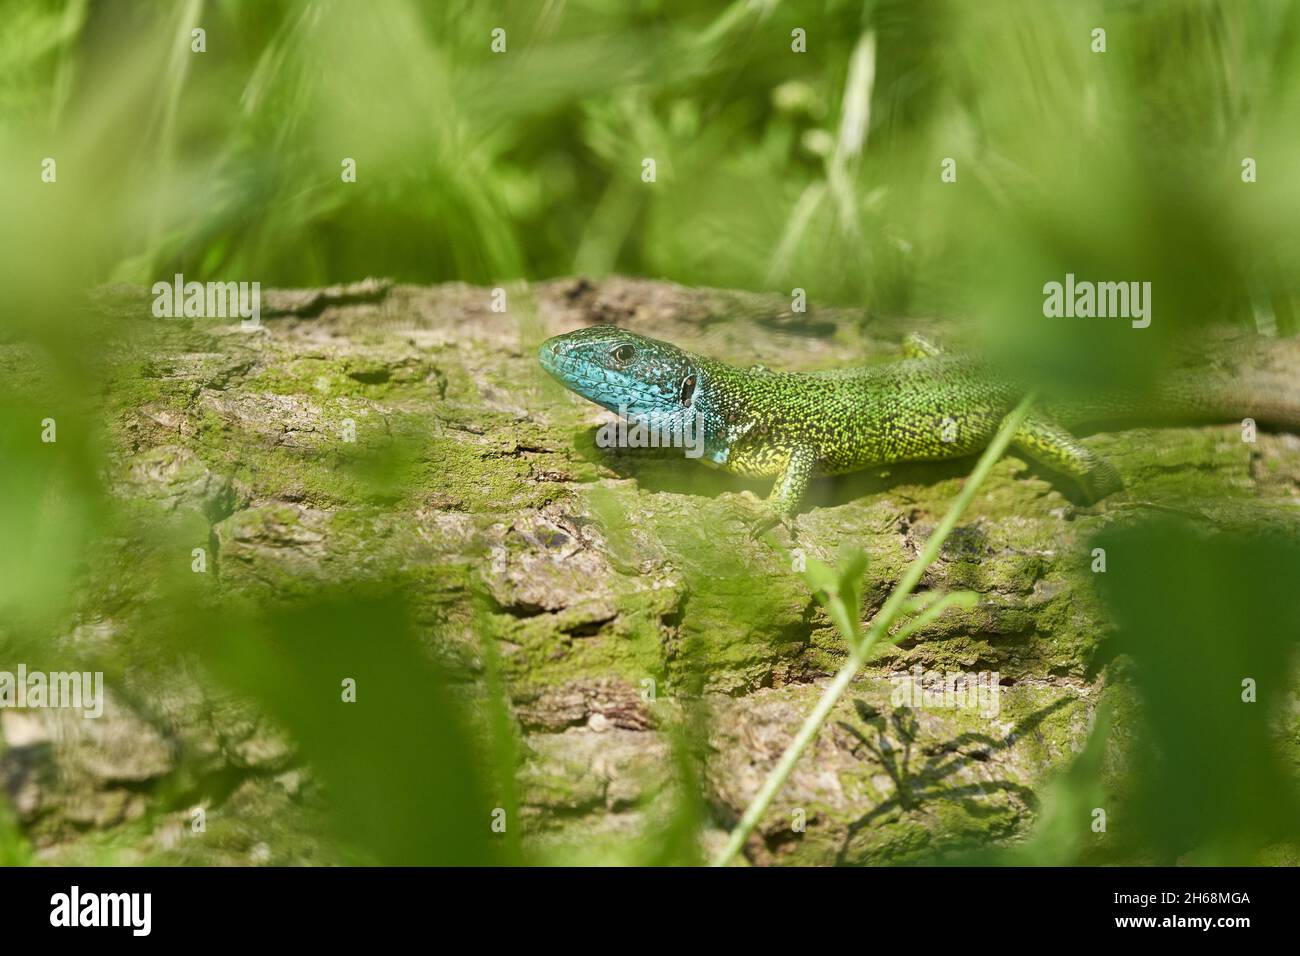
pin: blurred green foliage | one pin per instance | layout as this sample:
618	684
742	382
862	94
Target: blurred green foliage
394	748
1210	620
1197	767
820	169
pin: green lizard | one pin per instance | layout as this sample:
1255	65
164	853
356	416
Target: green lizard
928	407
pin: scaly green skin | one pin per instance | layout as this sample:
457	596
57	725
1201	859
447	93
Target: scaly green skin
792	426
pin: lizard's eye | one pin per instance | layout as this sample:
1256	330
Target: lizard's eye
688	389
623	354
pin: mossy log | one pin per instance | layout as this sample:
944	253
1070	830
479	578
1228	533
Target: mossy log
389	431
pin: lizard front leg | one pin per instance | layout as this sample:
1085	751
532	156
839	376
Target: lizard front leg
792	482
787	490
916	346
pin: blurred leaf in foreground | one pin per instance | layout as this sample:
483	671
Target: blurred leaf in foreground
1210	621
397	763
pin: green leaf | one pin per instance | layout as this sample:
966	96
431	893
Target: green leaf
821	577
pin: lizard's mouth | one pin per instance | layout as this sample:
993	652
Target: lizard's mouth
556	356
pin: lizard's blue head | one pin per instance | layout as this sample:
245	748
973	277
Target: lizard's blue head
617	369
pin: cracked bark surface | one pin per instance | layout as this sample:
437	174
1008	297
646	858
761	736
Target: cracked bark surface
606	572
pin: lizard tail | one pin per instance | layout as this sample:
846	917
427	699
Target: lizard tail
1261	381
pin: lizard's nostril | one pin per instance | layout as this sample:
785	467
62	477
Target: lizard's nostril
552	353
557	345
